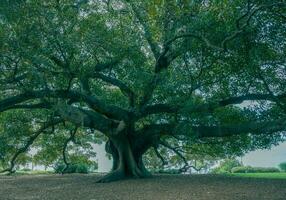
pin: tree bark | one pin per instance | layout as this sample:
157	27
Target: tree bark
127	161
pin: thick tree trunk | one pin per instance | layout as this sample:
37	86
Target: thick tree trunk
127	163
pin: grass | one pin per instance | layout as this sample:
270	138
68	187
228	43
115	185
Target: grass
278	175
39	172
35	172
273	175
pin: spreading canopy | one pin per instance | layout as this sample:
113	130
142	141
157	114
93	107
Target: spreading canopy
199	77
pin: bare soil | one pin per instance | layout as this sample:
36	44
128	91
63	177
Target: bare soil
175	187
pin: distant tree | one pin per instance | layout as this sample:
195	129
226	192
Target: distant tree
78	163
77	149
164	159
187	77
227	165
282	166
249	169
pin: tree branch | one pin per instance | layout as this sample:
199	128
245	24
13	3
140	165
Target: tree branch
122	86
32	106
240	28
186	164
209	107
110	111
191	35
255	128
71	138
87	118
147	32
148	91
164	162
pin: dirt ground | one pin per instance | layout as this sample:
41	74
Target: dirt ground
194	187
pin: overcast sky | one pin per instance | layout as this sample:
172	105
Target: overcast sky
266	158
259	158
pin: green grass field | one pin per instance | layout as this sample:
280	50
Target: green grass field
261	175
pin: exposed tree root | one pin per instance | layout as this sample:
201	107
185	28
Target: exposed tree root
121	174
113	176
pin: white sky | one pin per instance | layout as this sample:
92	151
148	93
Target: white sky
266	158
104	164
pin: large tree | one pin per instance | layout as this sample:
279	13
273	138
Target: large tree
183	75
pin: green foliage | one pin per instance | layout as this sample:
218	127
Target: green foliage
81	168
59	45
26	170
78	163
168	171
249	169
226	166
282	166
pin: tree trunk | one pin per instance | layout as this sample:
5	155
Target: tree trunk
127	163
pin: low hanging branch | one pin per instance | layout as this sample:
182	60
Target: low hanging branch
185	167
175	150
216	131
87	118
30	141
256	128
97	105
164	162
71	138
